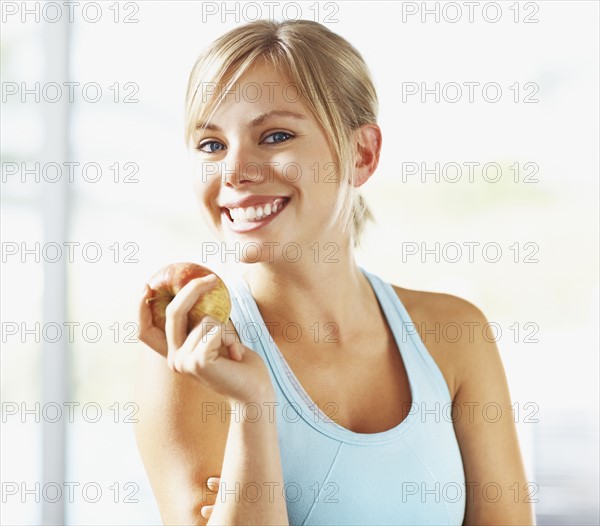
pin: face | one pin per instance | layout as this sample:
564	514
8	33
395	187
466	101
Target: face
264	172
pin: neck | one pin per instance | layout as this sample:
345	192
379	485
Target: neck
315	290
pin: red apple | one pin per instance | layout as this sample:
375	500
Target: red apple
169	280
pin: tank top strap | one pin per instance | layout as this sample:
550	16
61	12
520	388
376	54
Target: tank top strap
251	331
405	332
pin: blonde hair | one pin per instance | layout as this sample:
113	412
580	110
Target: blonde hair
329	74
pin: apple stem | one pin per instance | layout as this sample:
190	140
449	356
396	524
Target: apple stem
159	297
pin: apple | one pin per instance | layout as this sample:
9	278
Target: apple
169	280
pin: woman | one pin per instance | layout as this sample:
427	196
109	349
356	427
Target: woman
345	419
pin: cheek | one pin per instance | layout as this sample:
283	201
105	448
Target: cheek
324	182
198	191
201	199
202	184
206	198
197	182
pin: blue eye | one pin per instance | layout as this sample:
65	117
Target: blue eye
214	147
278	137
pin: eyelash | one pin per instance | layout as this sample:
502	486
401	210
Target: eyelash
203	144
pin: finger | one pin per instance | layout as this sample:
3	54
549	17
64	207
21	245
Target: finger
148	333
201	346
229	339
213	483
205	329
236	352
206	511
177	311
232	343
214	369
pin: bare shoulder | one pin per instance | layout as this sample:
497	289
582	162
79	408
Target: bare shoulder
449	327
455	332
438	306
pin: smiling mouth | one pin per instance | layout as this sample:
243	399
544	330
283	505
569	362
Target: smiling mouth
256	213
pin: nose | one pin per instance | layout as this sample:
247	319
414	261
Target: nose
241	167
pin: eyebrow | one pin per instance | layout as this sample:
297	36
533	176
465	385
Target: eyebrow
257	121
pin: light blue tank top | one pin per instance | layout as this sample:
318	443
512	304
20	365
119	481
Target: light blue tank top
410	474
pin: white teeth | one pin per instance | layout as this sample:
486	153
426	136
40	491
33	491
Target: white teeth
241	215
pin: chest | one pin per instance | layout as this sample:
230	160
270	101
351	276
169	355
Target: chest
363	390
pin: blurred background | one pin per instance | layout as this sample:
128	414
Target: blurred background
97	195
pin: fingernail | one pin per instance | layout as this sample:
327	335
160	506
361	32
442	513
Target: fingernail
205	511
213	484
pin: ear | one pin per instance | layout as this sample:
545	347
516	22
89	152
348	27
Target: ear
368	148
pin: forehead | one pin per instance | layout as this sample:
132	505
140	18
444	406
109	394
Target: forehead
259	90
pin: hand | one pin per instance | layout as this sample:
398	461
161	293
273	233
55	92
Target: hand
213	483
210	353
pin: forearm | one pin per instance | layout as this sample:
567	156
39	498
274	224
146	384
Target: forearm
251	488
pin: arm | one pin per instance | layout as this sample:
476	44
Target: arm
252	468
187	433
488	443
180	445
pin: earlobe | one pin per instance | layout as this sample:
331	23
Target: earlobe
368	149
